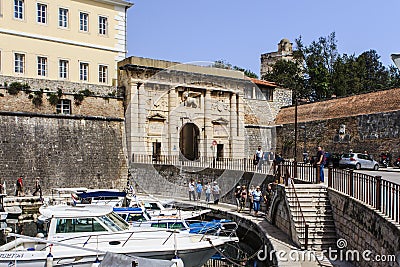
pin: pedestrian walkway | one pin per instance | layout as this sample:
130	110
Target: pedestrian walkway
281	243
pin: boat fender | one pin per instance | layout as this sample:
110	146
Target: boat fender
178	261
49	260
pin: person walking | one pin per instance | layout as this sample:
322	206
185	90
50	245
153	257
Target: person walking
216	192
20	187
250	196
38	188
238	192
199	190
321	162
243	198
207	190
268	197
191	190
257	200
258	158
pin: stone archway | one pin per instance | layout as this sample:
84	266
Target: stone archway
189	138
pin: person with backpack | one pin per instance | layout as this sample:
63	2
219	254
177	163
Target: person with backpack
321	161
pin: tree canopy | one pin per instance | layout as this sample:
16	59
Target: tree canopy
222	64
319	72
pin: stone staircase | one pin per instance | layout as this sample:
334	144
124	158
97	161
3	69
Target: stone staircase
317	213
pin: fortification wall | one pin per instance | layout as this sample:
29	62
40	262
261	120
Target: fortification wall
63	151
368	122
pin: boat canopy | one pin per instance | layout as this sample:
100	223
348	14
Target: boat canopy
101	194
66	211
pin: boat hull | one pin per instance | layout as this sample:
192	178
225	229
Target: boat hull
190	257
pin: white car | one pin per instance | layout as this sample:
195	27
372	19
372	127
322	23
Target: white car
358	161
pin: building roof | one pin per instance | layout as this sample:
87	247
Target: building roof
116	2
369	103
262	82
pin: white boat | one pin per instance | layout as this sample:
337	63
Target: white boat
82	234
139	217
112	197
155	208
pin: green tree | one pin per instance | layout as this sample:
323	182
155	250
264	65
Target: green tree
289	75
318	65
222	64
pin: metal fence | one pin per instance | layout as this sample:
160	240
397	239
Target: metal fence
372	190
244	164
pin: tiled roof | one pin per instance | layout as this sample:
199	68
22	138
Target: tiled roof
262	82
369	103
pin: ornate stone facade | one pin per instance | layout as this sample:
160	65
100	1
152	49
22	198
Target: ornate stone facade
191	111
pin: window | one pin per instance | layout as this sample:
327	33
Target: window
42	66
19	9
84	22
63	17
103	73
63	69
63	106
19	62
41	13
102	25
83	71
79	225
268	93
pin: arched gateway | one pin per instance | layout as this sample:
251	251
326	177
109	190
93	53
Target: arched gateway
189	141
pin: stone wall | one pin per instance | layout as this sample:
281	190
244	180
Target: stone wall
53	85
279	213
90	106
64	151
172	181
374	133
259	136
370	123
364	228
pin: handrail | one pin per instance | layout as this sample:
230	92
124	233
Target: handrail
240	164
303	223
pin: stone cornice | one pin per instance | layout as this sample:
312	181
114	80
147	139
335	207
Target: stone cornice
116	2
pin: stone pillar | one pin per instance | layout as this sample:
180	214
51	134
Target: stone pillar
173	135
240	138
142	146
207	124
232	124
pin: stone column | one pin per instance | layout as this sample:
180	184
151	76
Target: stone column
207	124
240	138
232	124
172	121
142	146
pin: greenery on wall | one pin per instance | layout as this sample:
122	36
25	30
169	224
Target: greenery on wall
80	96
15	87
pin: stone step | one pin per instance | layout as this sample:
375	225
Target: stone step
308	208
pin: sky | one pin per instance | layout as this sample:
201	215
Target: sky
238	32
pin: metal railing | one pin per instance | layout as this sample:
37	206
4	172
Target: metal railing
298	212
244	164
372	190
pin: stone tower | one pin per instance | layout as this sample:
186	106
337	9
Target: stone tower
285	51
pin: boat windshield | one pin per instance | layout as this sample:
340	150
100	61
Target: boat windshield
114	222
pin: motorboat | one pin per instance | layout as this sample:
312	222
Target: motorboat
155	208
139	217
82	235
112	197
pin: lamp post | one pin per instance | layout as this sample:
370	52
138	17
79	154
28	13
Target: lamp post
305	154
